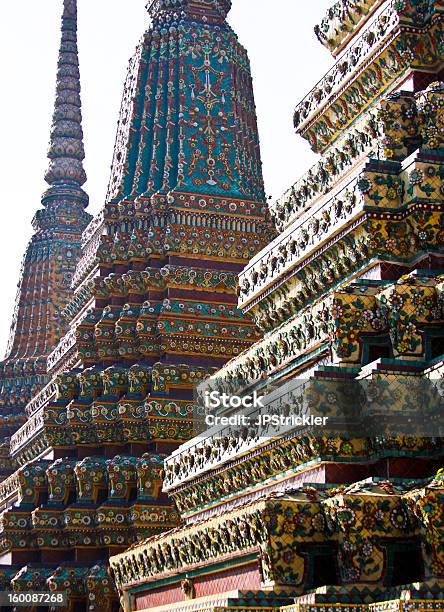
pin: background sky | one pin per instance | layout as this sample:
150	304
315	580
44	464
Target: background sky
287	61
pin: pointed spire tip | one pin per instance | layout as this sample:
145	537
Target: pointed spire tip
66	150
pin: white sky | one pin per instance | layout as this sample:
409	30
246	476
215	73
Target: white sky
287	61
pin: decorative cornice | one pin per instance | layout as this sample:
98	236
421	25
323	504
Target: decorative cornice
378	59
342	21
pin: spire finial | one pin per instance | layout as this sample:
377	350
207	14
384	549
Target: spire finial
66	150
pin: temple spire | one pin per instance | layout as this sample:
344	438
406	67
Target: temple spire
66	151
55	247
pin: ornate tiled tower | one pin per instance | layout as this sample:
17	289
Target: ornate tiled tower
153	309
350	299
54	249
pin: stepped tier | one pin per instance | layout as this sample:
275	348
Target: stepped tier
375	212
401	43
226	465
288	542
